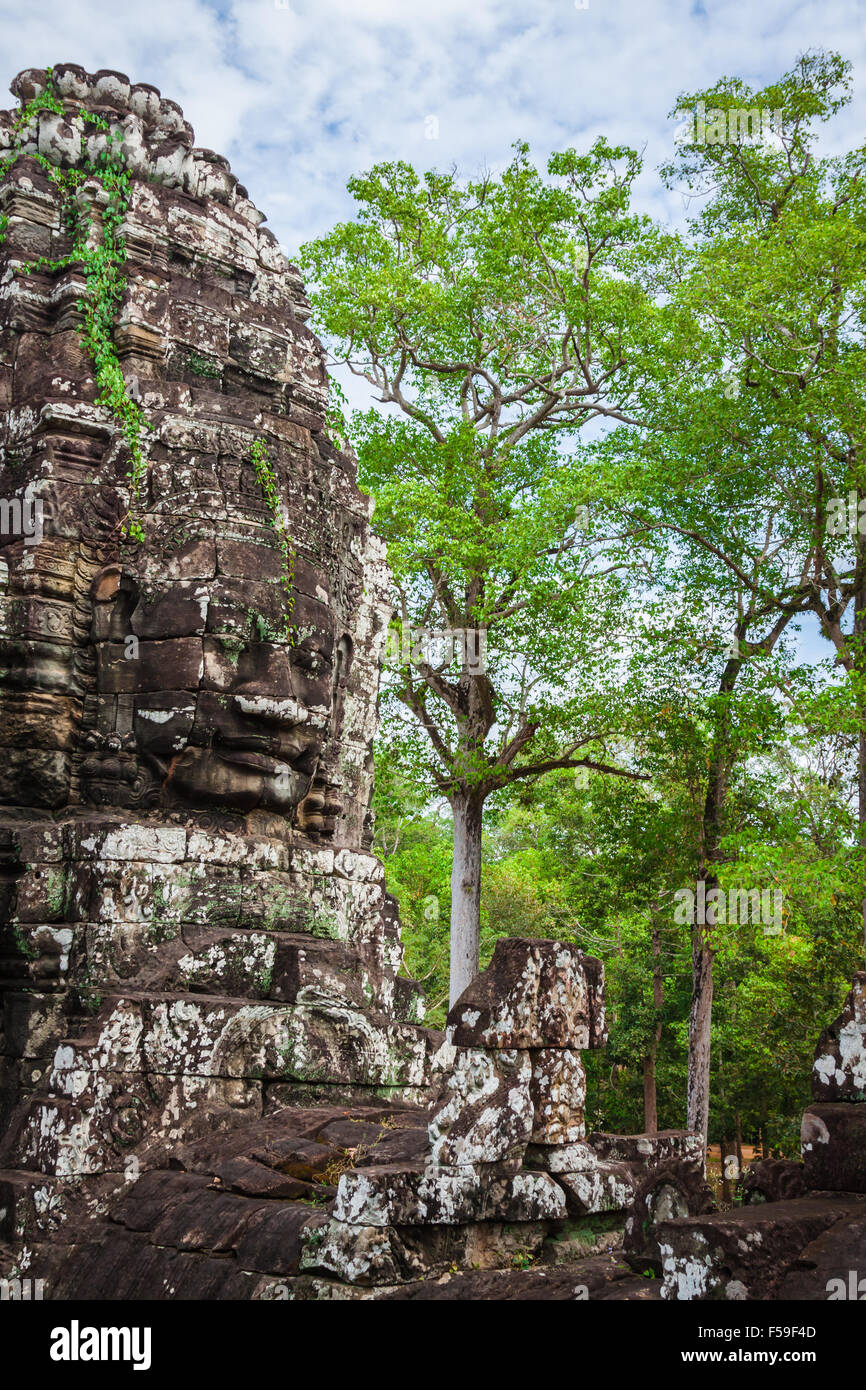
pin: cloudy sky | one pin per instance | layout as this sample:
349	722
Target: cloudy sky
300	94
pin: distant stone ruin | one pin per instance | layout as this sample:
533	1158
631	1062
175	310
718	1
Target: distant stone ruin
801	1233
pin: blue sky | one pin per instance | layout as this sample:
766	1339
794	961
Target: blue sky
300	94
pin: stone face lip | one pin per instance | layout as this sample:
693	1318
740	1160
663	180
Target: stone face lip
839	1069
833	1140
534	994
488	1113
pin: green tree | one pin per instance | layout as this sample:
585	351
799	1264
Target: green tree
755	425
495	318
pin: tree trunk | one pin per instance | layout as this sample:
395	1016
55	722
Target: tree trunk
650	1105
650	1095
465	893
700	1020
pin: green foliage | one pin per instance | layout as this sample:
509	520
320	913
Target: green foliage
202	366
598	864
500	316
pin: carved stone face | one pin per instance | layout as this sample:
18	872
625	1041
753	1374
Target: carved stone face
198	681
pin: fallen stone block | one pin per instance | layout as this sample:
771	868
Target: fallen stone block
374	1255
774	1180
409	1197
831	1268
606	1187
576	1157
649	1150
745	1253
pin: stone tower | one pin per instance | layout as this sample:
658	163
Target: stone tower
192	611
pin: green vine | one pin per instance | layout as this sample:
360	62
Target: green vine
268	479
103	267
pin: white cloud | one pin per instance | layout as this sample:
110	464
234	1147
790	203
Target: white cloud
301	97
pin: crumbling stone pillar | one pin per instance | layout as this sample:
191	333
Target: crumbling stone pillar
508	1148
833	1133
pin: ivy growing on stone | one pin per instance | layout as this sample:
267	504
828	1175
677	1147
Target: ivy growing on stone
103	267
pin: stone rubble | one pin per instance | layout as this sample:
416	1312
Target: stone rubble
507	1139
802	1228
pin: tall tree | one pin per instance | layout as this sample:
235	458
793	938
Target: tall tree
758	425
495	318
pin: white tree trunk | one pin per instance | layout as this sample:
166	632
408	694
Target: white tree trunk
465	894
699	1034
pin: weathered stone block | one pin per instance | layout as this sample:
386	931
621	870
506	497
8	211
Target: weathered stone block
605	1187
745	1253
650	1150
833	1141
430	1197
558	1091
534	994
377	1255
488	1113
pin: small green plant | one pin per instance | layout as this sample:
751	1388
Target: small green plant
201	366
24	945
335	416
267	478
